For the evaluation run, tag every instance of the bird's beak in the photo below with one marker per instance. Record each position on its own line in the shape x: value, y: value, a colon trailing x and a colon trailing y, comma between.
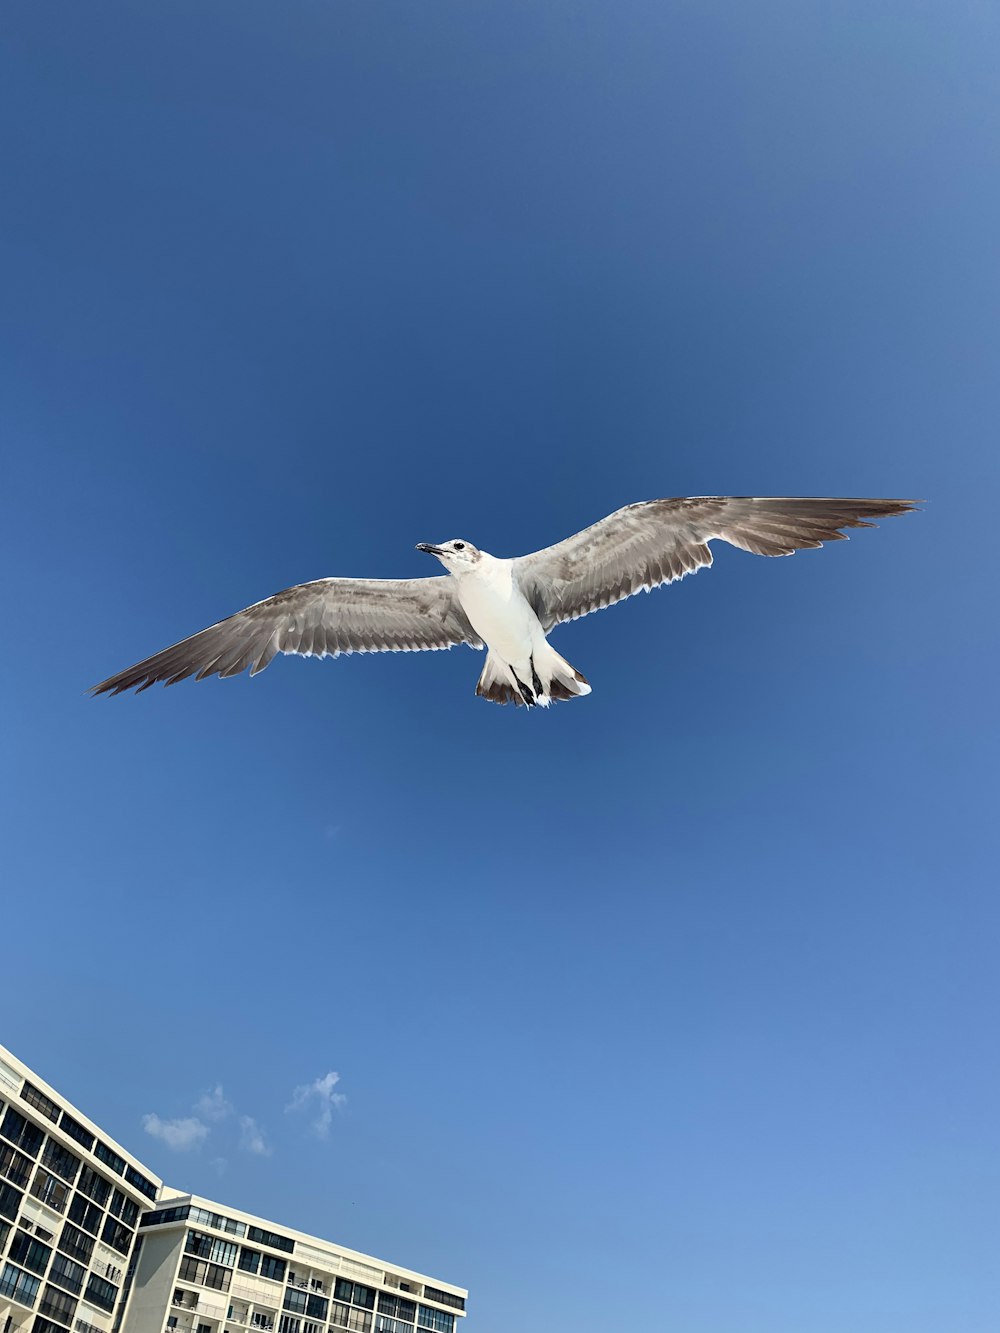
x: 431, y: 550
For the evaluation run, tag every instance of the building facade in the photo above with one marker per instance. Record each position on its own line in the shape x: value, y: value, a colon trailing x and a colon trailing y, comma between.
x: 92, y: 1241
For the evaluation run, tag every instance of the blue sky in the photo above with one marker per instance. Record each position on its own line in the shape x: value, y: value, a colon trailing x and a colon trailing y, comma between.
x: 674, y: 1005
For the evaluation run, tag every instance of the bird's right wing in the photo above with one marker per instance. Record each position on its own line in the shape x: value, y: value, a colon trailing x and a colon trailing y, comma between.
x: 324, y: 618
x: 645, y: 545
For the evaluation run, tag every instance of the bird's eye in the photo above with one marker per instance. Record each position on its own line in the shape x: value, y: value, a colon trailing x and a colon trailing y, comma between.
x: 460, y: 546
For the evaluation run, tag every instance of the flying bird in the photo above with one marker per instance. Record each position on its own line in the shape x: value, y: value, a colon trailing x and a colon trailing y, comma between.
x: 507, y: 607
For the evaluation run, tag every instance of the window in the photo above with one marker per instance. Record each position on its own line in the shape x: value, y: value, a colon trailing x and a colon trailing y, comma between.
x: 40, y: 1102
x: 123, y: 1207
x: 100, y: 1293
x: 117, y: 1236
x: 61, y: 1160
x: 344, y: 1317
x: 67, y: 1274
x: 272, y: 1267
x: 249, y: 1260
x: 398, y: 1306
x: 204, y: 1328
x: 219, y: 1223
x: 10, y: 1201
x: 21, y: 1132
x: 316, y: 1307
x: 58, y: 1306
x: 444, y: 1298
x: 47, y: 1189
x: 383, y: 1324
x: 192, y: 1270
x: 345, y: 1290
x: 104, y: 1154
x: 435, y: 1319
x: 30, y: 1252
x: 211, y: 1247
x: 93, y: 1184
x: 85, y: 1214
x: 164, y: 1215
x: 74, y: 1243
x: 14, y: 1165
x: 295, y: 1301
x: 205, y: 1274
x: 74, y: 1130
x: 18, y: 1285
x: 270, y: 1238
x: 139, y: 1182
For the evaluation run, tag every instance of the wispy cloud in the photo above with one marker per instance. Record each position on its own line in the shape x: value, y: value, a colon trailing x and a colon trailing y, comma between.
x: 213, y: 1104
x: 319, y: 1096
x: 252, y: 1137
x: 179, y: 1135
x: 212, y: 1108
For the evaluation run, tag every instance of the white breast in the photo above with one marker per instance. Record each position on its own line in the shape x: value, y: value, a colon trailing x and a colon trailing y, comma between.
x: 497, y: 608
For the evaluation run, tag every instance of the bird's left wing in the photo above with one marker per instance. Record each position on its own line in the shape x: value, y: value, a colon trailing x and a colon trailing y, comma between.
x: 324, y: 618
x: 645, y: 545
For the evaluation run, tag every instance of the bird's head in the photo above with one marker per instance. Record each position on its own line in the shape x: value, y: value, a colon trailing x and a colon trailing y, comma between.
x: 458, y: 557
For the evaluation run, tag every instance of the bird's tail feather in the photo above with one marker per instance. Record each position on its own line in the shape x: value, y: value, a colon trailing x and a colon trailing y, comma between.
x: 551, y: 677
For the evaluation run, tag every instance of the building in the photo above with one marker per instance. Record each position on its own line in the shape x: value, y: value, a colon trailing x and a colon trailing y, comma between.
x: 92, y: 1241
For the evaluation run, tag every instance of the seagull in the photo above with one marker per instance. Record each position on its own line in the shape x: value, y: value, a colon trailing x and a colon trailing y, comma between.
x: 507, y: 607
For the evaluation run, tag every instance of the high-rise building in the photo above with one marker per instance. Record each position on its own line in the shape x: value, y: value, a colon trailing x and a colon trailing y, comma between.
x: 92, y: 1241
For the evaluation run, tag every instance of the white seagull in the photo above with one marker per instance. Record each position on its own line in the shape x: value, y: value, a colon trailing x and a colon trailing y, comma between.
x: 506, y: 606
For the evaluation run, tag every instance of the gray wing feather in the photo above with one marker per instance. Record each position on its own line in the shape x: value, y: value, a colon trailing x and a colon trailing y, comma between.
x: 645, y: 545
x: 322, y: 619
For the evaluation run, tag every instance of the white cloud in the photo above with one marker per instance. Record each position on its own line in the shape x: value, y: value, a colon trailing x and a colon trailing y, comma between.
x: 213, y: 1105
x: 319, y: 1095
x: 252, y: 1137
x: 180, y: 1135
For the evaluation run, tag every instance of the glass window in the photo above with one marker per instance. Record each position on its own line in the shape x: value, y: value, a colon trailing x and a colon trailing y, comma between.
x: 74, y: 1130
x: 58, y: 1305
x: 435, y: 1319
x: 10, y: 1201
x: 104, y: 1154
x: 100, y: 1293
x: 355, y: 1292
x: 192, y: 1270
x: 164, y: 1215
x: 93, y: 1184
x: 18, y: 1285
x: 275, y: 1241
x: 249, y: 1260
x: 21, y: 1132
x: 444, y: 1298
x: 272, y: 1267
x: 61, y: 1160
x: 31, y: 1253
x: 117, y: 1236
x: 50, y: 1190
x: 344, y: 1316
x: 316, y: 1307
x: 67, y: 1273
x: 139, y: 1182
x: 36, y: 1098
x: 14, y: 1165
x: 85, y: 1214
x: 398, y: 1306
x: 295, y: 1301
x: 124, y: 1208
x: 75, y: 1243
x: 383, y: 1324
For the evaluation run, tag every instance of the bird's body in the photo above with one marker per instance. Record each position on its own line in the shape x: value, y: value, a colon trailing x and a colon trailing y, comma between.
x: 520, y: 660
x: 507, y: 606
